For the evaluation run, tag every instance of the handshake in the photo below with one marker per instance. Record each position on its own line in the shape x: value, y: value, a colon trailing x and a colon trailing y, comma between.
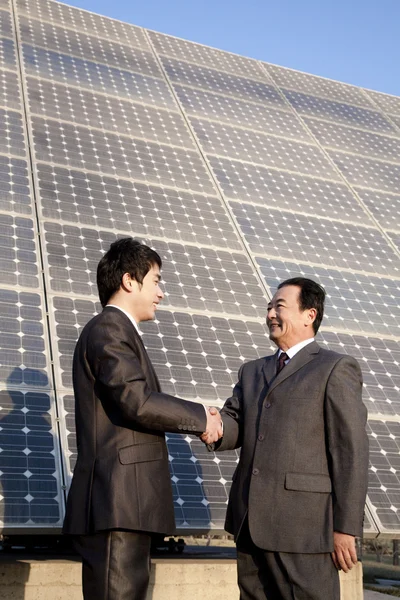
x: 214, y: 429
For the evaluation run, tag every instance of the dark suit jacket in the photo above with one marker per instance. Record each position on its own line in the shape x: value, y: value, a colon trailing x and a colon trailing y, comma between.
x: 121, y: 478
x: 304, y: 451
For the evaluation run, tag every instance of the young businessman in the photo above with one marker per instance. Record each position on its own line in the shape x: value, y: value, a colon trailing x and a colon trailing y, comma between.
x: 121, y: 491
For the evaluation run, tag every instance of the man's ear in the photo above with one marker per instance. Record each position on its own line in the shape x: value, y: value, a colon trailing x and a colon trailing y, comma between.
x: 311, y: 316
x: 127, y: 282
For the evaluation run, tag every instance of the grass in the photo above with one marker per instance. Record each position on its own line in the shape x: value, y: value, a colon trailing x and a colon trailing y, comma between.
x: 373, y: 570
x: 388, y: 591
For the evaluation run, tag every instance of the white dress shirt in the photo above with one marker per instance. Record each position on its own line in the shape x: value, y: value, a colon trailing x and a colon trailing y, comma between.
x: 295, y: 349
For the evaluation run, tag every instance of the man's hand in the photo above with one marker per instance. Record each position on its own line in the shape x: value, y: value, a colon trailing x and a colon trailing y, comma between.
x: 214, y: 426
x: 344, y: 556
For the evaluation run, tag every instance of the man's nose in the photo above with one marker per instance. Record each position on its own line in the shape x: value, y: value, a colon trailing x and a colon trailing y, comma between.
x: 271, y: 313
x: 160, y: 293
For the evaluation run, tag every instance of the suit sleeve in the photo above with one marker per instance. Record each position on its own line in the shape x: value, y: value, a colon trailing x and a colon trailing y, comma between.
x: 113, y: 360
x: 232, y: 417
x: 347, y: 441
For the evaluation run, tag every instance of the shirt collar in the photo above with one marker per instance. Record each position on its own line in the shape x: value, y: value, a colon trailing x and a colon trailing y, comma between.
x: 296, y: 348
x: 132, y: 320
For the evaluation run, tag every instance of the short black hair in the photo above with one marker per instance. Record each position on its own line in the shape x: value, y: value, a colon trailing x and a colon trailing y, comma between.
x: 312, y: 295
x: 126, y: 255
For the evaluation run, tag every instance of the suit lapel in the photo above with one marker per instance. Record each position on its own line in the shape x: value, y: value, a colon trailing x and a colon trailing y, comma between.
x: 269, y: 367
x: 304, y: 356
x: 138, y: 337
x: 149, y: 363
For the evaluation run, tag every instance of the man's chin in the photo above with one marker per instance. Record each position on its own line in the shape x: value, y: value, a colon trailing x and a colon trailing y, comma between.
x: 273, y: 335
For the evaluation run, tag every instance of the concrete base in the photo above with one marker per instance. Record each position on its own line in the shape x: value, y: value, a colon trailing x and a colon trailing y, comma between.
x: 171, y: 579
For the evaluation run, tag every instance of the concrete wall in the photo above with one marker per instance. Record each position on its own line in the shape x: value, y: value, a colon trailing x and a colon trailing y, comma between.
x: 172, y: 579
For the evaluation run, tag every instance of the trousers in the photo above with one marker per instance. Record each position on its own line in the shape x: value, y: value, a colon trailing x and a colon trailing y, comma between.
x: 264, y: 575
x: 115, y: 564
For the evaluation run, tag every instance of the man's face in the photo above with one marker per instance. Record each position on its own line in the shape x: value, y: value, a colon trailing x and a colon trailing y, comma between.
x: 287, y: 323
x: 146, y: 297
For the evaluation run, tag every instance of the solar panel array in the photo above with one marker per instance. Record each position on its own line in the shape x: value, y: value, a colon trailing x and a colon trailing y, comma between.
x: 240, y: 174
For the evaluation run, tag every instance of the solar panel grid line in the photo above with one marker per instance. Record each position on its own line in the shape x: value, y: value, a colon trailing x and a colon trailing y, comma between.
x: 128, y: 206
x: 334, y: 136
x: 221, y: 94
x: 190, y: 282
x: 196, y: 356
x: 123, y: 135
x: 348, y: 182
x: 390, y: 134
x: 240, y: 65
x: 30, y: 463
x: 107, y: 95
x: 59, y: 499
x: 334, y: 178
x: 385, y: 206
x: 332, y: 110
x: 262, y: 149
x: 216, y: 124
x: 380, y: 105
x: 378, y: 174
x: 47, y: 38
x: 353, y: 247
x: 362, y: 303
x: 51, y: 100
x: 388, y: 104
x: 96, y: 76
x: 10, y: 96
x: 24, y: 347
x: 8, y: 54
x: 356, y: 331
x: 6, y: 27
x: 209, y: 79
x: 353, y: 153
x: 284, y: 123
x: 252, y: 182
x: 15, y: 197
x: 304, y: 212
x: 134, y: 159
x: 326, y: 88
x: 184, y: 342
x: 129, y: 44
x: 203, y: 155
x: 19, y: 253
x: 102, y: 94
x: 67, y: 14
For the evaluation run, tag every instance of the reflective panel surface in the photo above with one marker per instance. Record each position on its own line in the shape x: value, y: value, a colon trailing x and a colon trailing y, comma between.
x: 240, y: 174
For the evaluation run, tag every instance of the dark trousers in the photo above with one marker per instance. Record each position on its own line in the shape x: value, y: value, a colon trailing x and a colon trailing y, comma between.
x: 115, y: 564
x: 284, y: 576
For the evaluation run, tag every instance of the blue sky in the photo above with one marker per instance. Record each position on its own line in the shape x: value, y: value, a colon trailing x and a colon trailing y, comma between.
x: 356, y: 41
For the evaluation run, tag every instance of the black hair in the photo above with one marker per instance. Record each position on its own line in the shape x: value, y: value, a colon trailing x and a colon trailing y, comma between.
x: 126, y: 255
x: 312, y: 295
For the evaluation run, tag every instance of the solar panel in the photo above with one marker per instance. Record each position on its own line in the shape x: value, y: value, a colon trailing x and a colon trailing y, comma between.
x: 241, y: 174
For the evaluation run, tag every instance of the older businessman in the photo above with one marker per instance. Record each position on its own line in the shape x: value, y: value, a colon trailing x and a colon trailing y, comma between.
x: 298, y: 494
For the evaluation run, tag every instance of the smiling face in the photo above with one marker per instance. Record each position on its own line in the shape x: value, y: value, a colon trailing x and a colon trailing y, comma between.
x: 288, y: 324
x: 143, y: 299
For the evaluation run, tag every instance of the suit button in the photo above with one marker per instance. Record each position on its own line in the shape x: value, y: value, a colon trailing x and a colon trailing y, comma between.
x: 184, y: 427
x: 180, y: 427
x: 255, y: 471
x: 267, y: 405
x: 260, y: 437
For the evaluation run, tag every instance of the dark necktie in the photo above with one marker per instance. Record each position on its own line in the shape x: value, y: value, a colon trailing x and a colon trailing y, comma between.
x: 281, y: 362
